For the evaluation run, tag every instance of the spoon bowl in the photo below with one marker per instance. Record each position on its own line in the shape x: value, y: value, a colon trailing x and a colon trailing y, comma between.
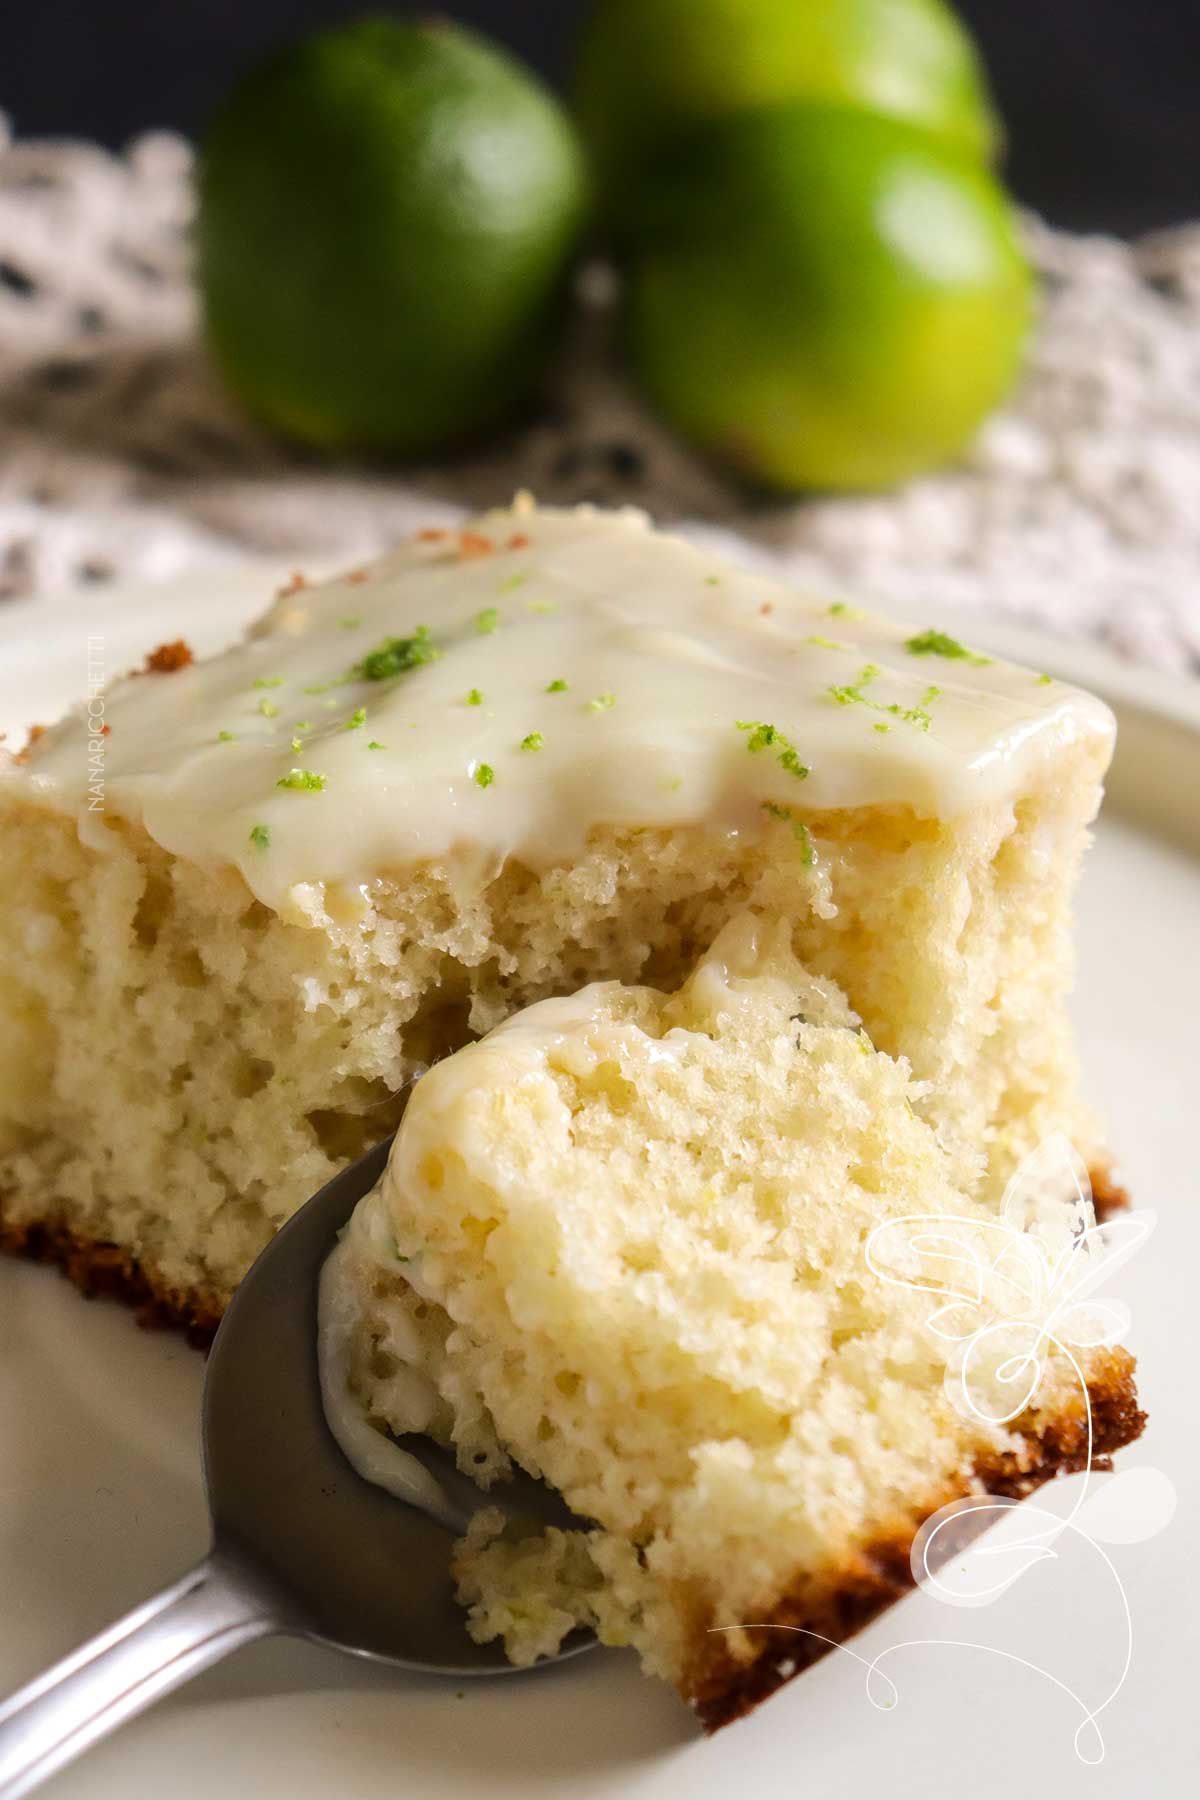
x: 363, y: 1571
x: 302, y: 1544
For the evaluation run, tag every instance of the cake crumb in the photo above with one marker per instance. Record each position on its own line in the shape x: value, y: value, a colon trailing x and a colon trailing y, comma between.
x: 35, y: 732
x: 168, y: 658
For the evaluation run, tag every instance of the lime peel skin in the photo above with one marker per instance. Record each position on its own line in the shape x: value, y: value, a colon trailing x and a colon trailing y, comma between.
x: 821, y: 346
x: 419, y: 185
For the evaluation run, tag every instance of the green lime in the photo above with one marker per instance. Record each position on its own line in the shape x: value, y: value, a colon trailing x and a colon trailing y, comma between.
x: 387, y: 214
x: 653, y: 70
x: 828, y: 300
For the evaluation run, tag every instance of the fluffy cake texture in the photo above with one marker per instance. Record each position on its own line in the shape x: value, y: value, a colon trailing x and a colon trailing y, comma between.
x: 623, y: 1242
x: 214, y: 982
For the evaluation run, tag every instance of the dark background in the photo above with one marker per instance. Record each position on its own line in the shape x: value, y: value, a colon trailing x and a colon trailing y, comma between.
x: 1101, y: 97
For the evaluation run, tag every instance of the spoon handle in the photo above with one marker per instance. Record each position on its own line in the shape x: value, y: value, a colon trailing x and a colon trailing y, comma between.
x: 156, y: 1647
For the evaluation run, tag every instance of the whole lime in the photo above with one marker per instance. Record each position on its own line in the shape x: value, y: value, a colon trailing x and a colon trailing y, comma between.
x: 387, y: 214
x: 651, y: 71
x: 827, y: 299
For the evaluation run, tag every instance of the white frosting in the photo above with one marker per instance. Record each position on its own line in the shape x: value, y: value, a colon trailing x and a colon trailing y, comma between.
x: 664, y: 649
x: 343, y: 1295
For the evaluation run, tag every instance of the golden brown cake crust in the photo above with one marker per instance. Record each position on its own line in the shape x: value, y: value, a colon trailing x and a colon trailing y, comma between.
x: 99, y: 1268
x: 1108, y: 1197
x: 723, y: 1689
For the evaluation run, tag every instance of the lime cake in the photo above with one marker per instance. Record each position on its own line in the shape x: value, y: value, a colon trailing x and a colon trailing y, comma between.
x: 552, y: 748
x: 630, y: 1242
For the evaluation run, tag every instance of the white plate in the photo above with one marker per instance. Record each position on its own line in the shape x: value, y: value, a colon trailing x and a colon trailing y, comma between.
x: 100, y: 1496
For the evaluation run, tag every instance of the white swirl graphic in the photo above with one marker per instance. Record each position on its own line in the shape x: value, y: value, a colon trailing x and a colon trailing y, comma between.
x: 1011, y: 1293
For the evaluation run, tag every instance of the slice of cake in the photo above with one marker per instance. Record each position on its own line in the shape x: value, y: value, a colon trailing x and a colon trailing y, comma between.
x: 626, y: 1242
x: 552, y: 748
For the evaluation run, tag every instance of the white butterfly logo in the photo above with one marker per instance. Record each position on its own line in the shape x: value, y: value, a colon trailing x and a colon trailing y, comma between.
x: 1011, y: 1293
x: 1015, y: 1288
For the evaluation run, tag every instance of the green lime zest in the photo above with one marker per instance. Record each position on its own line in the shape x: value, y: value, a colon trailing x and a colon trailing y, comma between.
x: 533, y: 741
x: 851, y: 694
x: 557, y: 686
x: 302, y: 781
x: 484, y: 775
x: 919, y: 715
x: 938, y: 643
x: 487, y: 621
x: 394, y: 656
x: 761, y: 736
x: 260, y: 837
x: 800, y: 830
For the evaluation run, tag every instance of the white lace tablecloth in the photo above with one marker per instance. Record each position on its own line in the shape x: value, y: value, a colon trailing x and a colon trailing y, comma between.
x: 121, y: 455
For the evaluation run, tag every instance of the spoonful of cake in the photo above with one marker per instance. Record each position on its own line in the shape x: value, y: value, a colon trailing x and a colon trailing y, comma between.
x: 302, y: 1543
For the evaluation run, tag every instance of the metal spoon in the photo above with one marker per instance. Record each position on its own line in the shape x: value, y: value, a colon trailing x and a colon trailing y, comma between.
x: 302, y: 1545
